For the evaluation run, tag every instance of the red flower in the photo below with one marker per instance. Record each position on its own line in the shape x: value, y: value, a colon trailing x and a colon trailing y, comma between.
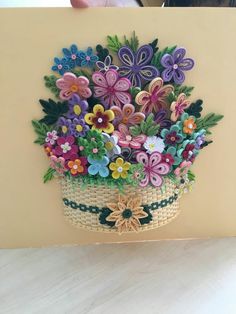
x: 65, y: 147
x: 168, y: 158
x: 188, y: 153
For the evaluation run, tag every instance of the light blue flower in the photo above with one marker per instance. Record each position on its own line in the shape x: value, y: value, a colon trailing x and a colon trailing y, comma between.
x: 61, y: 65
x: 98, y: 166
x: 72, y: 55
x: 88, y: 59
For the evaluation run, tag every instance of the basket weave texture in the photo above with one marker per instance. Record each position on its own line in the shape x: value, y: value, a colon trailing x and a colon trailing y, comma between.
x: 99, y: 196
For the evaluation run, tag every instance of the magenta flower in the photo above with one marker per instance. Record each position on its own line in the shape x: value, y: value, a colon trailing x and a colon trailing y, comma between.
x: 58, y: 164
x: 125, y: 139
x: 70, y: 84
x: 65, y: 147
x: 154, y: 168
x: 111, y: 89
x: 127, y: 115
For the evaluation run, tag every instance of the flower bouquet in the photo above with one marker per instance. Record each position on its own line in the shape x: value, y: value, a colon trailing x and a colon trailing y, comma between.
x: 122, y: 134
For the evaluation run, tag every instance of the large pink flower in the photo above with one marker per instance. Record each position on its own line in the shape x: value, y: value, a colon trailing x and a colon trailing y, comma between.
x: 155, y: 98
x: 70, y: 84
x: 112, y: 89
x: 65, y: 147
x: 125, y: 139
x: 154, y: 168
x: 127, y: 115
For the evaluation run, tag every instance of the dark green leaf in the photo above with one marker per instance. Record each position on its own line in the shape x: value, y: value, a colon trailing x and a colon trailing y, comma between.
x: 53, y: 110
x: 195, y: 108
x: 102, y: 52
x: 154, y: 46
x: 50, y: 82
x: 49, y: 175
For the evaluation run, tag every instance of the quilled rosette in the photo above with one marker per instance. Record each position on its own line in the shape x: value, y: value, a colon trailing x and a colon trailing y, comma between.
x: 121, y: 133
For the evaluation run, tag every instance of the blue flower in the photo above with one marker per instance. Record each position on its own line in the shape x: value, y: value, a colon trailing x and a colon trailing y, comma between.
x: 88, y: 59
x: 98, y: 166
x: 72, y: 55
x: 61, y: 65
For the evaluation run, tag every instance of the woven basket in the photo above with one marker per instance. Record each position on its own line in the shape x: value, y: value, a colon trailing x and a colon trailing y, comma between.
x: 82, y: 206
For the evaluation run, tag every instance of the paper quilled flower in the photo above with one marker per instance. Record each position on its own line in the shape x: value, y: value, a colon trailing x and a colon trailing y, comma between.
x: 119, y: 168
x: 127, y: 115
x: 125, y: 139
x: 98, y: 166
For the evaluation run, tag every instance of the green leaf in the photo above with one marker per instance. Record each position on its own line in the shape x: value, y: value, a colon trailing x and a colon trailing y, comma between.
x: 148, y: 127
x: 187, y: 90
x: 191, y: 176
x: 49, y: 175
x: 114, y: 43
x: 195, y: 108
x: 102, y: 52
x: 134, y: 91
x: 53, y: 110
x: 154, y: 45
x: 50, y: 82
x: 209, y: 121
x: 156, y: 60
x: 41, y: 130
x: 133, y: 43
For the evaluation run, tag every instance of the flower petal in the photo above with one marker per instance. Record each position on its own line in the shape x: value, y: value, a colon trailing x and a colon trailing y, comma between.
x: 93, y: 169
x: 99, y: 79
x: 98, y: 108
x: 148, y: 72
x: 117, y: 112
x: 144, y: 182
x: 155, y: 158
x: 100, y: 91
x: 111, y: 77
x: 179, y: 76
x: 109, y: 129
x: 178, y: 55
x: 123, y: 84
x: 104, y: 172
x: 155, y: 179
x: 167, y: 74
x: 126, y: 56
x: 85, y: 92
x: 143, y: 98
x: 162, y: 168
x: 167, y: 61
x: 124, y: 70
x: 123, y: 97
x: 186, y: 64
x: 142, y: 157
x: 143, y: 55
x: 137, y: 118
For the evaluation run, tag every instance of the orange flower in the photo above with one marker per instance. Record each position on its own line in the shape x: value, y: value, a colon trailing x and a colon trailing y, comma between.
x: 189, y: 125
x: 77, y: 166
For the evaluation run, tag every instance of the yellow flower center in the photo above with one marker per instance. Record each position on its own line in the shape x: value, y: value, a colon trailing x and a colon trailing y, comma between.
x: 77, y: 110
x: 64, y: 129
x: 109, y: 145
x: 152, y: 146
x: 79, y: 128
x: 74, y: 88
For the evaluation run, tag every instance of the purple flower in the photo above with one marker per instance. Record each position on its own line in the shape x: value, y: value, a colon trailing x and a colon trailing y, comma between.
x: 175, y: 64
x: 136, y: 65
x: 106, y: 65
x: 79, y: 128
x: 161, y: 118
x: 65, y: 126
x: 200, y: 140
x: 77, y: 107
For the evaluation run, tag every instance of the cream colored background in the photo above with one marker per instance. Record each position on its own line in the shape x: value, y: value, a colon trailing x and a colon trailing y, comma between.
x: 31, y: 212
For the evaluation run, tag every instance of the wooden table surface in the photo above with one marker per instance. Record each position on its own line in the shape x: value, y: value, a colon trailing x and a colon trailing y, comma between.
x: 166, y: 277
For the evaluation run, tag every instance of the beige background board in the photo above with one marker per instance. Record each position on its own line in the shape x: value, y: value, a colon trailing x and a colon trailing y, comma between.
x: 31, y: 212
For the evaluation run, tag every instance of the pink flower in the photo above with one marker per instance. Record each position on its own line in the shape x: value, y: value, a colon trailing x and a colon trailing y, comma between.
x: 58, y: 163
x: 183, y: 168
x: 127, y: 115
x: 154, y: 168
x: 177, y: 107
x: 70, y: 84
x: 125, y: 139
x: 111, y: 89
x: 155, y: 98
x: 65, y: 147
x: 51, y: 137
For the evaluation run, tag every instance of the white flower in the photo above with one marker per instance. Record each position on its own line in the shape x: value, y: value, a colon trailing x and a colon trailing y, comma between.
x: 51, y: 137
x: 110, y: 143
x: 154, y: 144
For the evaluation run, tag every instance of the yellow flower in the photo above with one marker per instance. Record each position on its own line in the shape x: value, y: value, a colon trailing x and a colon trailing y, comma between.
x: 100, y: 119
x: 119, y: 168
x: 126, y: 213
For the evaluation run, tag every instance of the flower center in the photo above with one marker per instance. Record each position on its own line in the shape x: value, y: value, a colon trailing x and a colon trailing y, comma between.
x: 110, y: 90
x: 81, y: 148
x: 154, y: 98
x: 75, y: 167
x: 100, y: 120
x: 95, y: 150
x: 64, y: 129
x: 109, y: 145
x: 87, y: 58
x: 172, y: 138
x: 77, y: 110
x: 79, y: 128
x: 74, y: 88
x: 125, y: 120
x: 167, y: 159
x: 65, y: 147
x: 152, y: 146
x: 59, y: 66
x: 119, y: 169
x: 127, y: 213
x: 175, y: 66
x: 73, y: 56
x: 190, y: 125
x: 128, y: 138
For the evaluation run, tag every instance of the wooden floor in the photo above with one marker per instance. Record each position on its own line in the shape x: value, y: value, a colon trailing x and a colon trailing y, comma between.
x: 167, y: 277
